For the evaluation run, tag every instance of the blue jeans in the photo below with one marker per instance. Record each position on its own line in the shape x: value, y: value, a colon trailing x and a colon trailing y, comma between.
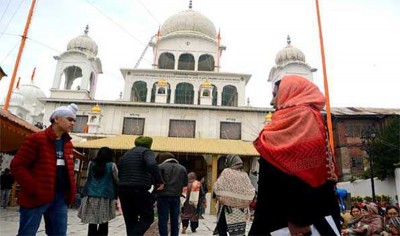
x: 168, y: 206
x: 55, y: 217
x: 5, y: 195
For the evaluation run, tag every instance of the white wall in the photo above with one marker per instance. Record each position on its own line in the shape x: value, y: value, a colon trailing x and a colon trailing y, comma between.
x: 363, y: 188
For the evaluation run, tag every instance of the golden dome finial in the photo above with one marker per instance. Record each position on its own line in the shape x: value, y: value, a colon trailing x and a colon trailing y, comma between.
x: 162, y: 82
x: 268, y: 117
x: 206, y: 84
x: 96, y: 109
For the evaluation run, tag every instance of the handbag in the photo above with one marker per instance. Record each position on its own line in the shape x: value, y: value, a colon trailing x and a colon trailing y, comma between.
x: 233, y: 188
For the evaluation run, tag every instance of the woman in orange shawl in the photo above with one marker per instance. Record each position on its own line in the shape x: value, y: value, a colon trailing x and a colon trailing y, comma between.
x: 297, y: 173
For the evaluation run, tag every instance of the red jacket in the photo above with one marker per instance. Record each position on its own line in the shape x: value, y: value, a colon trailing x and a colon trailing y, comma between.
x: 34, y: 168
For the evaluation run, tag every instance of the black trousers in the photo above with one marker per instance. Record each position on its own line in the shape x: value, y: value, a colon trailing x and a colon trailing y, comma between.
x: 193, y: 224
x: 98, y: 230
x: 137, y: 208
x: 284, y: 198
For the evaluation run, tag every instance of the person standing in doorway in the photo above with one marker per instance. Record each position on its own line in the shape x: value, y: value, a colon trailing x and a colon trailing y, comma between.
x: 138, y: 171
x: 296, y: 164
x: 189, y: 210
x: 202, y: 204
x: 44, y: 168
x: 99, y: 204
x: 6, y: 185
x: 175, y: 178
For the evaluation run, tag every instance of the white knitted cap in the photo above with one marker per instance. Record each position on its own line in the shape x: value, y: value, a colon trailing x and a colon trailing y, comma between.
x: 65, y: 111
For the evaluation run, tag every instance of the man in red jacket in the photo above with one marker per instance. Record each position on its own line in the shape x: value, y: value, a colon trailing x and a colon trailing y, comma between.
x: 44, y: 168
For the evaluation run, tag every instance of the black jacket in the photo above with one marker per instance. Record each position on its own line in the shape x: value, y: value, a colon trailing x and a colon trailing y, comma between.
x: 6, y: 181
x: 174, y: 176
x: 138, y: 168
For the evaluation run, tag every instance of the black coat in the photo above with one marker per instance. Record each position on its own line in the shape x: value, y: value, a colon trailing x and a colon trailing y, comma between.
x: 6, y: 181
x: 284, y: 198
x: 138, y: 168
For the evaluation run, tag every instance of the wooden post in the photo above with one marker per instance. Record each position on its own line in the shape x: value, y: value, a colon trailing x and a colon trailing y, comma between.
x: 326, y: 87
x: 214, y: 172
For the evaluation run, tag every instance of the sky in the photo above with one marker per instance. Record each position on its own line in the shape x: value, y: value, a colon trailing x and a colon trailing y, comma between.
x: 361, y: 40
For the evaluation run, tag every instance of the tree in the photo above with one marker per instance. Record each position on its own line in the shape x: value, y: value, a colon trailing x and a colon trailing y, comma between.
x: 386, y: 149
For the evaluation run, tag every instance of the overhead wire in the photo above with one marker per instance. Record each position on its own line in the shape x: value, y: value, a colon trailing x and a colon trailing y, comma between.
x: 116, y: 23
x: 8, y: 54
x: 9, y: 21
x: 5, y: 10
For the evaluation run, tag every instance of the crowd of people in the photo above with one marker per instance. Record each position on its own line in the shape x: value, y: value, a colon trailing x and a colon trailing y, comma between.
x: 368, y: 219
x: 296, y: 163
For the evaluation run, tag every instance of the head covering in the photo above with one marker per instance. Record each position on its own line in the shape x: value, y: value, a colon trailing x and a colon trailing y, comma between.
x: 295, y: 141
x: 234, y: 162
x: 143, y: 141
x: 371, y: 208
x: 296, y: 90
x: 166, y: 157
x: 395, y: 221
x: 192, y: 176
x: 65, y: 111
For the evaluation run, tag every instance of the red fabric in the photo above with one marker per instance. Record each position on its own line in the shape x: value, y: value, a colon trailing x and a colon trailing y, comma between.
x: 295, y: 140
x: 34, y: 168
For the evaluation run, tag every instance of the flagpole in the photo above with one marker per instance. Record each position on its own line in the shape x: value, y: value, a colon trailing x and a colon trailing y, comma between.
x: 33, y: 75
x: 326, y: 89
x: 17, y: 61
x: 218, y: 50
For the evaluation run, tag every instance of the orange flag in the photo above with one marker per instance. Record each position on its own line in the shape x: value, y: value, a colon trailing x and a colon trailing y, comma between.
x: 33, y: 74
x: 19, y: 79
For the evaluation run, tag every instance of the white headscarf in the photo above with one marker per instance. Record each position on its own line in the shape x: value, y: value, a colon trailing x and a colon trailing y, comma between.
x: 65, y: 111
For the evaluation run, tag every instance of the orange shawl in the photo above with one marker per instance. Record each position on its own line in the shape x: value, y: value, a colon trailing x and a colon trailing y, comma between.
x: 295, y: 140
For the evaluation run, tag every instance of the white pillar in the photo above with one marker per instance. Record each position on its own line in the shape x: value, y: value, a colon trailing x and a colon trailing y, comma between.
x: 397, y: 180
x: 148, y: 96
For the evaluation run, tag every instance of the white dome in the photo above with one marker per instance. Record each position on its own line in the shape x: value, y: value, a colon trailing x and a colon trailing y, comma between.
x: 289, y: 53
x: 83, y: 43
x: 189, y: 21
x: 31, y: 93
x: 17, y: 99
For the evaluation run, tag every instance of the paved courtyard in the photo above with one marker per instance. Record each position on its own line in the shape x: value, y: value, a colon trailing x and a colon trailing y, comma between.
x: 9, y: 219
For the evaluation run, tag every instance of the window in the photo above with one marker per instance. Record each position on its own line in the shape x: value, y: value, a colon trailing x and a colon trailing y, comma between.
x: 133, y: 126
x: 349, y: 130
x: 206, y: 63
x: 229, y: 96
x: 230, y: 130
x: 166, y: 61
x: 80, y: 124
x: 357, y: 164
x: 182, y: 128
x: 184, y: 93
x: 206, y: 93
x: 161, y: 90
x: 186, y: 62
x: 139, y: 91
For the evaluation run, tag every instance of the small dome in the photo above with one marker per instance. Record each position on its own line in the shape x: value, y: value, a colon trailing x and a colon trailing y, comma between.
x: 162, y: 82
x: 206, y: 84
x: 31, y: 93
x: 289, y: 53
x: 189, y: 21
x: 268, y: 117
x: 17, y: 99
x: 96, y: 109
x: 83, y: 43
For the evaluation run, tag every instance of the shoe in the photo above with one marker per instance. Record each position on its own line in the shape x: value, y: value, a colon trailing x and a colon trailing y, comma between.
x: 184, y: 231
x: 201, y: 217
x: 193, y: 231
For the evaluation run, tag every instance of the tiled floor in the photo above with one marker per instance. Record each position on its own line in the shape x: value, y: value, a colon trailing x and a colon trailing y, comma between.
x: 9, y: 224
